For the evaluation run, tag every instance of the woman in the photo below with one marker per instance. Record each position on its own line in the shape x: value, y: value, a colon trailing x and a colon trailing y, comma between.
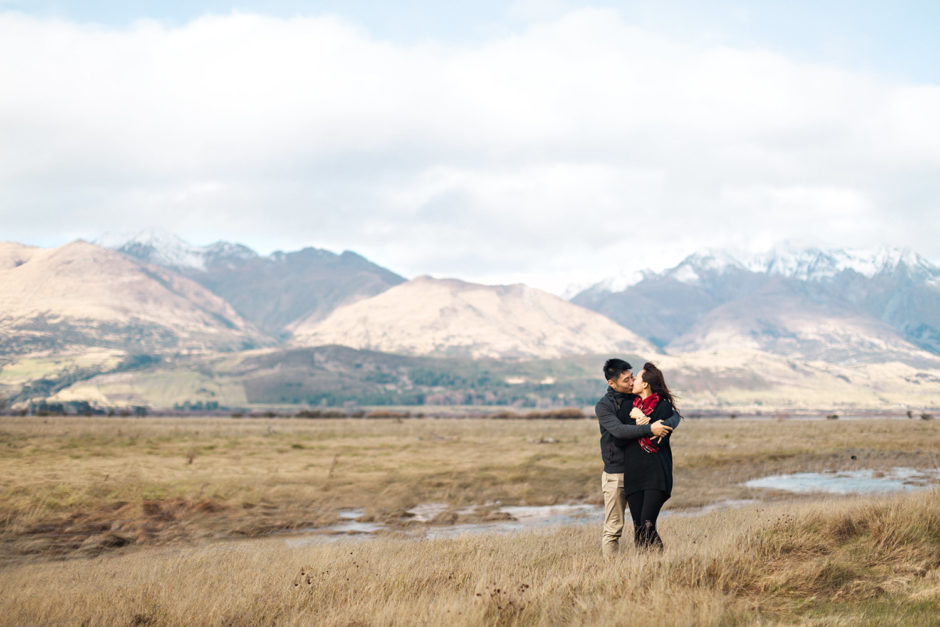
x: 647, y: 476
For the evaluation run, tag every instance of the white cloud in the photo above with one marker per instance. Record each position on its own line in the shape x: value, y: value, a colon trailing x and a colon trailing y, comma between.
x: 548, y: 156
x: 533, y: 10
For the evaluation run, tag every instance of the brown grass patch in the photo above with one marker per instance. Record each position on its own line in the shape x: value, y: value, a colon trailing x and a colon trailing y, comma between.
x: 860, y: 561
x: 66, y: 484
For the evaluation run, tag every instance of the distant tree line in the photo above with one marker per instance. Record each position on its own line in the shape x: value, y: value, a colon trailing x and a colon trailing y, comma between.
x: 75, y: 408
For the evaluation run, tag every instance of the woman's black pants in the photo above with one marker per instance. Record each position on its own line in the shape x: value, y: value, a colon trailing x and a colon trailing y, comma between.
x: 644, y: 509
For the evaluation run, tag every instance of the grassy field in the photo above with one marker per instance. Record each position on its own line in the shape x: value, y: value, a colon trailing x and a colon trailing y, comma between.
x: 859, y: 562
x: 166, y: 521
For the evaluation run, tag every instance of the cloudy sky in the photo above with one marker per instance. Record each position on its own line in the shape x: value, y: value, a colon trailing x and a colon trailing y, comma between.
x: 542, y: 141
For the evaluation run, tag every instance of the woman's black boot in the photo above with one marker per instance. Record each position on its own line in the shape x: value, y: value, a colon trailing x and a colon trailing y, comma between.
x: 638, y: 536
x: 647, y: 537
x: 655, y: 541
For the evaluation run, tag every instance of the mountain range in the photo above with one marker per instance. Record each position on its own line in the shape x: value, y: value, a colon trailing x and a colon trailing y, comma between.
x: 153, y: 320
x: 271, y: 292
x: 428, y: 316
x: 83, y: 295
x: 783, y: 302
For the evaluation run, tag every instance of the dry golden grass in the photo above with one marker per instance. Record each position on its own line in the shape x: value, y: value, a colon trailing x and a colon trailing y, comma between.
x: 83, y: 486
x: 857, y: 562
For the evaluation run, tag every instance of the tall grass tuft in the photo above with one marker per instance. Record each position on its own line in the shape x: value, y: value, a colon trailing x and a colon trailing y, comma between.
x: 856, y: 561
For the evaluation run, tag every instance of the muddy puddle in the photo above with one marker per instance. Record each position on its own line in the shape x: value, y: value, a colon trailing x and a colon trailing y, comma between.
x: 866, y: 481
x: 440, y: 520
x: 510, y: 519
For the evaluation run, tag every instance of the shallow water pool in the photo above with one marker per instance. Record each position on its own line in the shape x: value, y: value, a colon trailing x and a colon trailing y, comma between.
x: 866, y: 481
x: 521, y: 518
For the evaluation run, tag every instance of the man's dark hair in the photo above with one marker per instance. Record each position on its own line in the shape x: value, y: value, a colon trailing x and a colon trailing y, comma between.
x: 613, y: 368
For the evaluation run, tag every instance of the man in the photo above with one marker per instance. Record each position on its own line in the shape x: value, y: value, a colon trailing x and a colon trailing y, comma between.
x: 619, y: 377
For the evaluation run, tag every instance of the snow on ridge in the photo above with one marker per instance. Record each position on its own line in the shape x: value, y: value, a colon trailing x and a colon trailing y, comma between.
x: 691, y: 269
x: 612, y: 284
x: 803, y: 263
x: 621, y: 282
x: 573, y: 289
x: 807, y: 264
x: 168, y: 249
x: 227, y: 249
x: 685, y: 273
x: 815, y: 264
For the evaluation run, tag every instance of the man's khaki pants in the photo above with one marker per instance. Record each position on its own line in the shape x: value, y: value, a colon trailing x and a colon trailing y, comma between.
x: 614, y: 503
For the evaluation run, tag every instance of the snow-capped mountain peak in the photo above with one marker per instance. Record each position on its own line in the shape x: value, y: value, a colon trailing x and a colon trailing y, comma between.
x: 694, y: 268
x: 228, y: 250
x: 163, y: 248
x: 805, y: 264
x: 790, y: 261
x: 612, y: 284
x: 813, y: 264
x: 721, y: 291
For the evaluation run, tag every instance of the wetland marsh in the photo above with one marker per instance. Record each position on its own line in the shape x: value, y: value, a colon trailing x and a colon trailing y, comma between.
x: 202, y: 520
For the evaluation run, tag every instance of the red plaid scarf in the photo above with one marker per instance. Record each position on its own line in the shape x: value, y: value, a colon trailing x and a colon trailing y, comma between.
x: 647, y: 406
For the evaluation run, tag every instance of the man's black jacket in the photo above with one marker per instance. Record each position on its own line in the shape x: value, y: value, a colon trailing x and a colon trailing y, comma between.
x: 613, y: 430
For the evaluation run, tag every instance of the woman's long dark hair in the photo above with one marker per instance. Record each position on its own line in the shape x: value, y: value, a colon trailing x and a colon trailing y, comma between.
x: 654, y: 377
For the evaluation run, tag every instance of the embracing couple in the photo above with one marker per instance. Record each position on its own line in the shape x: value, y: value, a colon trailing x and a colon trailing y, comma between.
x: 636, y: 417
